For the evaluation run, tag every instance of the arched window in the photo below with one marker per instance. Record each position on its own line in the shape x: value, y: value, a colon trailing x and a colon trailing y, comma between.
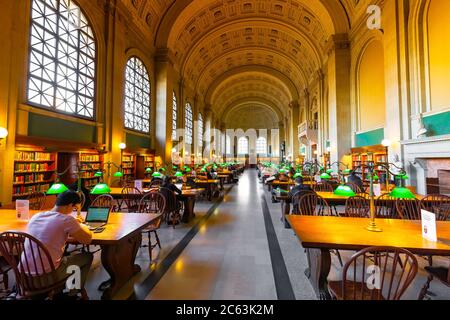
x: 261, y: 146
x: 242, y: 146
x: 137, y: 96
x: 227, y: 144
x: 62, y: 68
x: 200, y: 131
x: 174, y: 117
x: 188, y: 124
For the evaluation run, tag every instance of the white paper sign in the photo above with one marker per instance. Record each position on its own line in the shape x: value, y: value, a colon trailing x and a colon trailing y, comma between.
x: 138, y: 184
x: 23, y: 209
x: 377, y: 189
x: 429, y: 226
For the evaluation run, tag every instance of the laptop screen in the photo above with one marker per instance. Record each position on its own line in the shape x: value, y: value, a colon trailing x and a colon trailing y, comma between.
x: 97, y: 215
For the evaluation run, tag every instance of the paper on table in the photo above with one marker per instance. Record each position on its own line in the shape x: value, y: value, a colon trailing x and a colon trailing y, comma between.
x: 138, y: 184
x: 377, y: 189
x: 23, y: 209
x: 429, y: 226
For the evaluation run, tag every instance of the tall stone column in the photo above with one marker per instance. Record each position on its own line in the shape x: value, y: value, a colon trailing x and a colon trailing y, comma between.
x: 163, y: 116
x: 295, y: 122
x: 208, y: 132
x: 339, y: 111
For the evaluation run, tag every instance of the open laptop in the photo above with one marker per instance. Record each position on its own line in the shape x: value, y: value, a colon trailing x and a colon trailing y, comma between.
x: 97, y: 217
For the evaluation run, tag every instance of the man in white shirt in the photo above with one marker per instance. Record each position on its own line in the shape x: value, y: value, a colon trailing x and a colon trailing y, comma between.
x: 53, y: 228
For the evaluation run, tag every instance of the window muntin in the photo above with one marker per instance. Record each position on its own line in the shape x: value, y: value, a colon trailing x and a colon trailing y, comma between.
x: 261, y: 146
x: 137, y: 96
x: 174, y: 117
x: 243, y: 146
x: 62, y: 66
x: 188, y: 124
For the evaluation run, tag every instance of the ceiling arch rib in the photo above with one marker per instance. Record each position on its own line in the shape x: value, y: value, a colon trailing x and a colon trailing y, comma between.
x: 239, y: 33
x: 251, y: 100
x: 263, y: 117
x: 331, y: 14
x: 251, y: 84
x: 270, y: 58
x: 252, y: 69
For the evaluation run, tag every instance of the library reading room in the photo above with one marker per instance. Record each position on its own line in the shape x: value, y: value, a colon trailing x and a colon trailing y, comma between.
x: 239, y: 150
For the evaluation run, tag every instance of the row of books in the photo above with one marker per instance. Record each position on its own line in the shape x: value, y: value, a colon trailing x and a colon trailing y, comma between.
x: 23, y: 190
x: 94, y: 166
x: 87, y: 174
x: 127, y: 159
x: 32, y: 167
x: 28, y: 178
x: 128, y: 171
x: 32, y: 156
x: 127, y: 165
x: 89, y: 157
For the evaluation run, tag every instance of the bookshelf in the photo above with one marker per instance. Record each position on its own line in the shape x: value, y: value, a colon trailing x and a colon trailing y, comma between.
x: 90, y: 163
x: 34, y: 171
x: 129, y: 166
x: 363, y: 156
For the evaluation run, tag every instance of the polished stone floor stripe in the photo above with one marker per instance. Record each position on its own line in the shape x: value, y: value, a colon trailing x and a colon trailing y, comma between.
x: 280, y: 273
x: 144, y: 288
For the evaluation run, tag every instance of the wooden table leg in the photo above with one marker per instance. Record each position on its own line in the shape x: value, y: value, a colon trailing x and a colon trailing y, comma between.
x: 285, y: 210
x: 319, y: 261
x: 119, y: 261
x: 189, y: 204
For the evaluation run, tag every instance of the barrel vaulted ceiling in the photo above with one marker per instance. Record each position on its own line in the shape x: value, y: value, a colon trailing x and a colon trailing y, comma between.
x: 246, y: 53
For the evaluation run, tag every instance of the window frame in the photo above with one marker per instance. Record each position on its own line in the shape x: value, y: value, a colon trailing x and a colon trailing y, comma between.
x: 187, y: 107
x: 239, y: 146
x: 53, y: 109
x: 265, y: 144
x: 174, y: 119
x: 150, y: 98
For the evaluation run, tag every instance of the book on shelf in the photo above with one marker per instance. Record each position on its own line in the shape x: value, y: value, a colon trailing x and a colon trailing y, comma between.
x: 89, y: 157
x: 32, y: 156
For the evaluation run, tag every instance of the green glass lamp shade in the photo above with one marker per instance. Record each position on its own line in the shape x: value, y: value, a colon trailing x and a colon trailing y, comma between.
x: 118, y: 174
x: 163, y: 169
x: 298, y: 175
x: 330, y: 171
x: 148, y: 170
x: 402, y: 193
x: 345, y: 191
x: 203, y: 170
x: 325, y: 176
x: 347, y: 171
x: 101, y: 188
x: 282, y: 171
x: 156, y: 175
x: 188, y: 169
x: 178, y: 174
x: 98, y: 174
x: 57, y: 188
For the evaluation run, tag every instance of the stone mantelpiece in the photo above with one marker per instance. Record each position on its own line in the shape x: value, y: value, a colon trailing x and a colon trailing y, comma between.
x: 418, y: 152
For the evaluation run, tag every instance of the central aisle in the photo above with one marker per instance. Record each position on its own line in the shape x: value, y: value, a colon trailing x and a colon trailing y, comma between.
x: 229, y: 258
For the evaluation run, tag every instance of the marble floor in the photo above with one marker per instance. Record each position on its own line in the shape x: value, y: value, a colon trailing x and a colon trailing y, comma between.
x: 232, y: 250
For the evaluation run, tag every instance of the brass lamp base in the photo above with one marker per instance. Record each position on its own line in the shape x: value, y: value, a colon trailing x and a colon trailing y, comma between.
x: 373, y: 227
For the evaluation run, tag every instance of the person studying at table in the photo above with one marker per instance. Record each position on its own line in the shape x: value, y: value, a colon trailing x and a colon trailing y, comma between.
x: 53, y: 228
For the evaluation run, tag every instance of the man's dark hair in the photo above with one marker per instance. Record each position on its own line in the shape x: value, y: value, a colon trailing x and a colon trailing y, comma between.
x: 68, y: 198
x: 299, y: 180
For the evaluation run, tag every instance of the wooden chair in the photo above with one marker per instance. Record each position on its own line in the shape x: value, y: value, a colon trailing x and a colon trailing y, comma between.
x: 440, y: 273
x: 37, y: 200
x: 359, y: 275
x: 323, y: 187
x: 13, y: 246
x: 173, y: 207
x: 311, y: 204
x: 408, y: 209
x: 438, y: 204
x: 130, y: 197
x: 83, y: 198
x: 4, y: 269
x: 155, y: 203
x: 385, y: 207
x: 103, y: 201
x: 357, y: 207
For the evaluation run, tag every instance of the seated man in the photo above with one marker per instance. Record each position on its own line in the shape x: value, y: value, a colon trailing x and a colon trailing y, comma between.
x: 53, y: 228
x: 188, y: 181
x: 353, y: 178
x: 168, y: 184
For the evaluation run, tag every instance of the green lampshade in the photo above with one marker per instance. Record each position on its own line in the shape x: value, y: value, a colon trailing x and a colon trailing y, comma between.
x: 282, y: 171
x: 118, y: 174
x: 101, y: 188
x: 57, y: 188
x: 178, y: 174
x: 188, y: 170
x: 163, y: 169
x: 203, y: 170
x: 345, y: 191
x: 156, y: 175
x: 148, y: 170
x: 98, y: 174
x: 402, y: 193
x: 330, y: 171
x: 325, y: 176
x: 298, y: 175
x: 347, y: 171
